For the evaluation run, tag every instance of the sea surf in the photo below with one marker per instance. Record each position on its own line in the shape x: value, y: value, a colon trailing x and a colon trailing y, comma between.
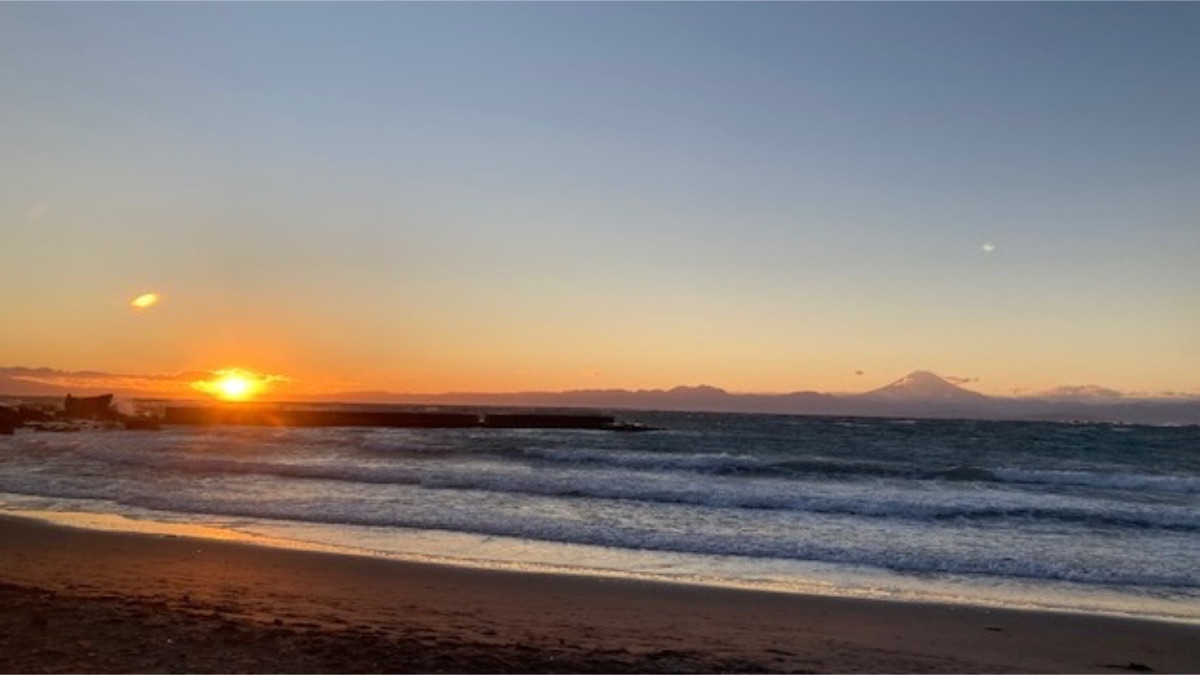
x: 1093, y: 518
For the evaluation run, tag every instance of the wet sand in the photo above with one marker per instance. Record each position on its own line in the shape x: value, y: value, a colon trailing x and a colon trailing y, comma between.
x: 85, y: 601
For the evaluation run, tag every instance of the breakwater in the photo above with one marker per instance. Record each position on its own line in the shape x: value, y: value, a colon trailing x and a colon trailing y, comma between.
x: 259, y: 416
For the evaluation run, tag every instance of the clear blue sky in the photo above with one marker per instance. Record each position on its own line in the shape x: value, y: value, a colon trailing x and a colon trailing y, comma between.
x: 765, y: 197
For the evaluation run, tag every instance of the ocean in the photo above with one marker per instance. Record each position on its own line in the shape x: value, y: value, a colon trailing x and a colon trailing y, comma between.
x: 1091, y: 518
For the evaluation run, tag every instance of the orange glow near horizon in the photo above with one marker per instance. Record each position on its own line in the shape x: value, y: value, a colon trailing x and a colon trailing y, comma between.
x: 235, y: 384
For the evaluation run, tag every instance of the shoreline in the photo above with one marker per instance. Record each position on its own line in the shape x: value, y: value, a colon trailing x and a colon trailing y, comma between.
x: 84, y: 600
x: 808, y: 580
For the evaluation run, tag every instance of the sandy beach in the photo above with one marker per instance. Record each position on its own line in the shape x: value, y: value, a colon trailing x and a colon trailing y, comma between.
x: 86, y: 601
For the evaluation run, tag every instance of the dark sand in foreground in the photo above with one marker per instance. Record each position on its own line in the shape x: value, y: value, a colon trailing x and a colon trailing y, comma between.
x: 84, y: 601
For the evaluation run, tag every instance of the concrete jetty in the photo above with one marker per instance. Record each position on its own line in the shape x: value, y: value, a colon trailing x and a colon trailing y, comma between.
x: 281, y: 417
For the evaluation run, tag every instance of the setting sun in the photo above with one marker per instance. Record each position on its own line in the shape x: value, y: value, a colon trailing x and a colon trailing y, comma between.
x: 235, y: 384
x: 234, y: 387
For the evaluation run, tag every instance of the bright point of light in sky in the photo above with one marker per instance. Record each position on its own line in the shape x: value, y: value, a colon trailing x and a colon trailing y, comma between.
x: 144, y: 301
x: 431, y: 197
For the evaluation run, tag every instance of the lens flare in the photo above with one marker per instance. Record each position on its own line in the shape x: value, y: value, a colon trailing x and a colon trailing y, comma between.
x: 144, y: 301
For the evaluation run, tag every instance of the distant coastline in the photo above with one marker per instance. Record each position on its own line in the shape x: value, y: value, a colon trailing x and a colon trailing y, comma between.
x: 707, y: 399
x: 920, y: 394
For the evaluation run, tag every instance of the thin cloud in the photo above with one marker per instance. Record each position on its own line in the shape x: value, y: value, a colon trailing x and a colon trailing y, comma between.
x: 156, y: 383
x: 1081, y: 392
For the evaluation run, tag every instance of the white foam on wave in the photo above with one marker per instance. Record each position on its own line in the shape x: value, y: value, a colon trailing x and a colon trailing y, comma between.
x: 626, y: 498
x: 649, y: 460
x: 888, y: 545
x: 524, y: 555
x: 985, y: 502
x: 1121, y: 481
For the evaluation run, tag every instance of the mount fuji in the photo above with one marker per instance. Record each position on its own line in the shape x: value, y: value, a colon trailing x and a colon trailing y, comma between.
x: 922, y: 385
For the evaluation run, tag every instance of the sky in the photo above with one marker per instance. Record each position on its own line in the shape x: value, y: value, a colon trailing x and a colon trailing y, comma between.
x: 765, y: 197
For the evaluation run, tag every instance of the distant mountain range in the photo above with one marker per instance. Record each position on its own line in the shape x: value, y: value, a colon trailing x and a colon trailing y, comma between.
x: 920, y: 394
x: 922, y: 385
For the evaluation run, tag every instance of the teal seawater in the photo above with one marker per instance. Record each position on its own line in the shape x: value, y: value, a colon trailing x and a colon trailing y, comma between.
x: 1111, y: 508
